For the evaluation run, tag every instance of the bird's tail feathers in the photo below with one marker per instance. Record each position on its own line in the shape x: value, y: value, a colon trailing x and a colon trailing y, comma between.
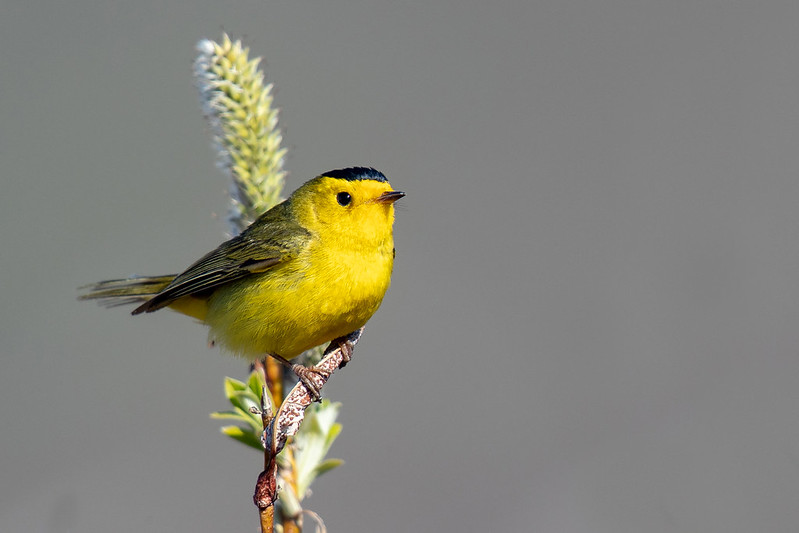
x: 115, y: 292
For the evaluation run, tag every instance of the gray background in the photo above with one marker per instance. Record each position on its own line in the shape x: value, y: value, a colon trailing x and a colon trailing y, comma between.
x: 593, y: 320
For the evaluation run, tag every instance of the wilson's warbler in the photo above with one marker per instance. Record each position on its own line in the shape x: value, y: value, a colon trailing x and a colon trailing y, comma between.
x: 312, y: 269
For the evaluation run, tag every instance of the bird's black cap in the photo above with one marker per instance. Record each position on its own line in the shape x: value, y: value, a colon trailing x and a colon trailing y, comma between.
x: 356, y: 174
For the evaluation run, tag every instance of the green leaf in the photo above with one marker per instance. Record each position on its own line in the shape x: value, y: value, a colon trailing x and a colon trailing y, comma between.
x: 245, y: 401
x: 327, y: 465
x: 230, y: 415
x: 256, y: 384
x: 232, y: 386
x: 243, y: 437
x: 312, y: 443
x: 332, y: 434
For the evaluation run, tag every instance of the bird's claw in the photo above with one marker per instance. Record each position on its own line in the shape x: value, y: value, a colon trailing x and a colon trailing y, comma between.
x: 306, y: 375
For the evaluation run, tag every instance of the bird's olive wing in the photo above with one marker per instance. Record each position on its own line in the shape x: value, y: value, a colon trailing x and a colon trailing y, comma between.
x: 256, y: 250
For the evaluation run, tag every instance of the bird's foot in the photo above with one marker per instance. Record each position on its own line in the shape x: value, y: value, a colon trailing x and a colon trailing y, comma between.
x: 307, y: 375
x: 346, y: 346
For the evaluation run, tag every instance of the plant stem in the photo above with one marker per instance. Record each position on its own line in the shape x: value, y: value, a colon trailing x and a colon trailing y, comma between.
x: 291, y: 525
x: 286, y: 422
x: 268, y: 519
x: 274, y: 379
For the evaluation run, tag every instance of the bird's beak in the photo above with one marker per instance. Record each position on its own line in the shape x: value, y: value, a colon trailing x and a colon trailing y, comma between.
x: 389, y: 197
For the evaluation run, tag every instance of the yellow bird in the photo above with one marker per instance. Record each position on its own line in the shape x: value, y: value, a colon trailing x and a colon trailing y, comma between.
x: 312, y: 269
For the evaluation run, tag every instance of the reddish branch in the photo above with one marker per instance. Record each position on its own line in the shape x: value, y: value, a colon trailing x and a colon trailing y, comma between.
x: 288, y: 418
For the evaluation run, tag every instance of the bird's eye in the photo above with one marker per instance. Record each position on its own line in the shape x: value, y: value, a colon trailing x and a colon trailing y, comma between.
x: 344, y: 198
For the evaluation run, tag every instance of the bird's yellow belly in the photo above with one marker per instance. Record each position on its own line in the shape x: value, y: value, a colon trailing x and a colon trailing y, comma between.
x: 288, y: 310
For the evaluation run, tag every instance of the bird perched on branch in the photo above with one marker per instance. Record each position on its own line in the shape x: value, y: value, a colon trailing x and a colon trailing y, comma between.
x: 312, y: 269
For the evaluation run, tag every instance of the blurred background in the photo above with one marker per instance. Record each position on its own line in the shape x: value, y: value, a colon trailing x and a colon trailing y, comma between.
x: 593, y: 321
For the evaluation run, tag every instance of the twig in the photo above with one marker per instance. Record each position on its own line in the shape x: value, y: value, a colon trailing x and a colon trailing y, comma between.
x: 267, y: 514
x: 273, y: 371
x: 289, y: 416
